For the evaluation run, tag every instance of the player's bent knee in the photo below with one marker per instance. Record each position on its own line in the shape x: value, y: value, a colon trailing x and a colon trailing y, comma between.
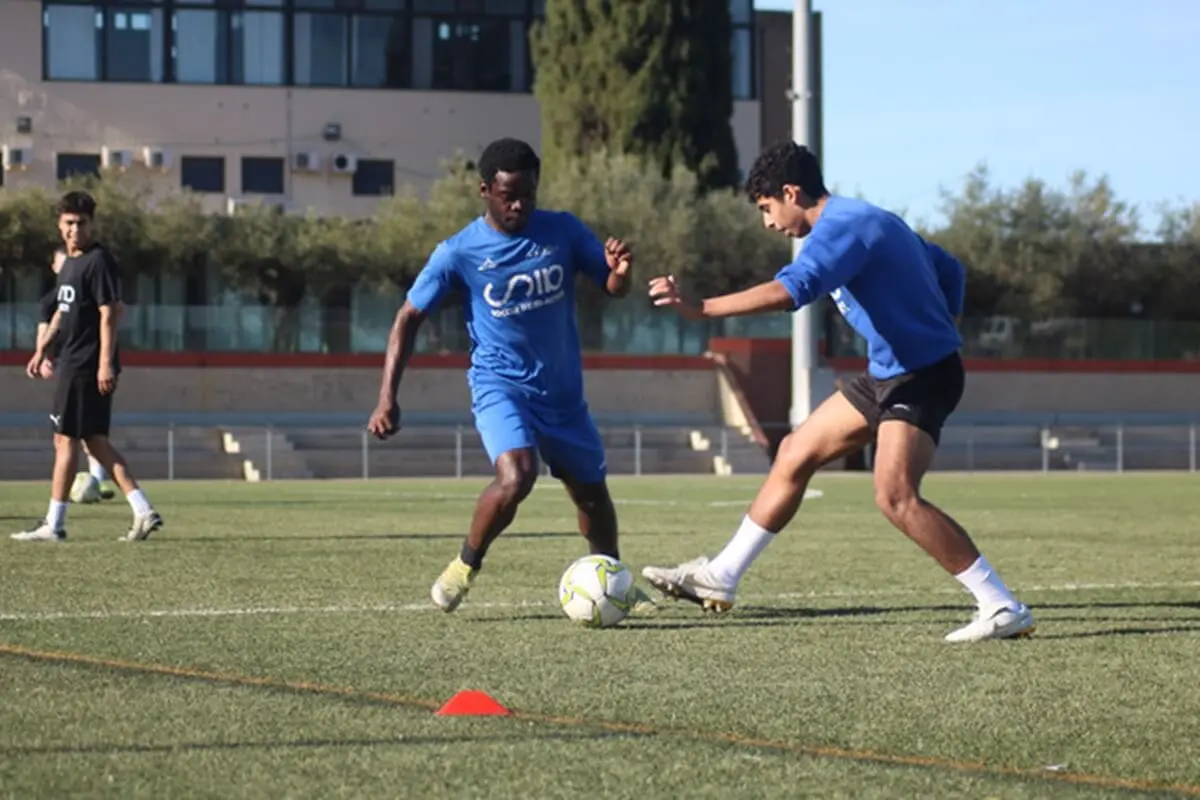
x: 798, y: 456
x: 515, y: 478
x: 895, y: 498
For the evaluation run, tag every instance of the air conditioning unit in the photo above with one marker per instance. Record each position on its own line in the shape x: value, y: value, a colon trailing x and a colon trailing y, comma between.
x: 306, y: 162
x: 156, y: 158
x: 17, y: 158
x: 235, y: 204
x: 116, y: 159
x: 344, y: 164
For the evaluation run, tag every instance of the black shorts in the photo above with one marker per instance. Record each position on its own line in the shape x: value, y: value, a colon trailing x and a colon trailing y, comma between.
x: 924, y: 398
x: 80, y: 411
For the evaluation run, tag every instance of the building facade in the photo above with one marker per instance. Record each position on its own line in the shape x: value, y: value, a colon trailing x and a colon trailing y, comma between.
x: 313, y: 104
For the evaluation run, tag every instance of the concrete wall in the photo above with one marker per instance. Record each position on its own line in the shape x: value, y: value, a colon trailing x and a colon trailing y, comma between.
x: 416, y: 129
x: 693, y: 394
x: 642, y: 394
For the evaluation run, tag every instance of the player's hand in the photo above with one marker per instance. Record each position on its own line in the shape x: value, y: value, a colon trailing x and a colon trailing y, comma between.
x: 34, y: 368
x: 665, y: 291
x: 47, y: 370
x: 106, y: 379
x: 619, y: 256
x: 385, y: 421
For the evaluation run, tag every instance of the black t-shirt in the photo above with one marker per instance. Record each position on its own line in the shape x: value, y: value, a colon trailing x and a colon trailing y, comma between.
x: 85, y: 283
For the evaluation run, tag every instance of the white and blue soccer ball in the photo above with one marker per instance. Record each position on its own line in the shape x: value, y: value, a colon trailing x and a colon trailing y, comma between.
x: 596, y: 591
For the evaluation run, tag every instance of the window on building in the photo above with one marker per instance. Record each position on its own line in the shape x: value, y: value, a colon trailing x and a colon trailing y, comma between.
x: 71, y: 164
x: 262, y: 175
x: 469, y: 45
x: 257, y: 45
x: 374, y: 178
x: 202, y: 173
x: 133, y: 44
x: 71, y: 41
x: 200, y: 45
x: 741, y: 12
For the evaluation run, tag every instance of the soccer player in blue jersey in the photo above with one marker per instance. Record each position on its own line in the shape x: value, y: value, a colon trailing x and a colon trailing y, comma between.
x: 515, y: 269
x: 903, y: 295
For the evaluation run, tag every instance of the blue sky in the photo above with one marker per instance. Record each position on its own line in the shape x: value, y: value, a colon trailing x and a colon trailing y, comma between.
x: 917, y: 92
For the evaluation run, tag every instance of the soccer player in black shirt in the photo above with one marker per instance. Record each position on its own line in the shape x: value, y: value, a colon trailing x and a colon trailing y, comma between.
x: 85, y: 326
x: 88, y: 486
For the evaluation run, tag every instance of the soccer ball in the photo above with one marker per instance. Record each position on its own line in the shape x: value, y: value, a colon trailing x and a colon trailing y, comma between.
x: 596, y: 591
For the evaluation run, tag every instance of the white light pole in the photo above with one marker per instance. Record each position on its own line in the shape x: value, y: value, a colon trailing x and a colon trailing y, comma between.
x: 810, y: 384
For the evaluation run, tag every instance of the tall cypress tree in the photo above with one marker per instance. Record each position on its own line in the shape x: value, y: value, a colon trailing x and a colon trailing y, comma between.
x: 646, y: 77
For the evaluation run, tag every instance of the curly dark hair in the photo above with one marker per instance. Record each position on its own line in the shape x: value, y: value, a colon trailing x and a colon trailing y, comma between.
x: 785, y: 164
x: 80, y: 203
x: 507, y: 155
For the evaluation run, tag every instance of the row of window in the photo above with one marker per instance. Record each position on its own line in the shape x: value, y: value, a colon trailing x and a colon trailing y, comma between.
x: 472, y: 45
x: 373, y: 177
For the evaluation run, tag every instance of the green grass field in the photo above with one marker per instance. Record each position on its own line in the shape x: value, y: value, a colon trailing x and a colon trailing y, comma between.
x: 276, y: 640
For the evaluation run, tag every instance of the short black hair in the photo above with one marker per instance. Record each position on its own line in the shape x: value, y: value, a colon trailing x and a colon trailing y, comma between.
x: 785, y: 164
x: 80, y: 203
x: 507, y: 155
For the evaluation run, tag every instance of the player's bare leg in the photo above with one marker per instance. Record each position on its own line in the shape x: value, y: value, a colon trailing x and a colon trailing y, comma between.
x: 51, y: 529
x: 904, y: 454
x: 145, y: 519
x: 597, y: 516
x: 516, y: 473
x: 89, y: 486
x: 835, y: 429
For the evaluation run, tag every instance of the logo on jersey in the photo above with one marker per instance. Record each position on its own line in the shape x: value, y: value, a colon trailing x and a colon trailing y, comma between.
x: 65, y: 297
x: 526, y: 291
x: 842, y: 305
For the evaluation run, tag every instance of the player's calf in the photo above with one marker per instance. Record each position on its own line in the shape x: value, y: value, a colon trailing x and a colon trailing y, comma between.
x: 145, y: 519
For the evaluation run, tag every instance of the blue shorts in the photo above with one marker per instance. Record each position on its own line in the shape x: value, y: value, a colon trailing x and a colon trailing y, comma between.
x: 566, y: 440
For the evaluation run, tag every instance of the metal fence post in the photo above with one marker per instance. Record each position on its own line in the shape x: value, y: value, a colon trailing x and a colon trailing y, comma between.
x: 458, y: 452
x: 1120, y: 447
x: 637, y: 449
x: 1045, y: 450
x: 1192, y: 448
x: 366, y: 455
x: 171, y: 451
x: 725, y: 444
x: 270, y: 452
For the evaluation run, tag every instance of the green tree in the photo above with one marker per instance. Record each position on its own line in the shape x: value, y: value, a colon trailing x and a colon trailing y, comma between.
x: 651, y: 79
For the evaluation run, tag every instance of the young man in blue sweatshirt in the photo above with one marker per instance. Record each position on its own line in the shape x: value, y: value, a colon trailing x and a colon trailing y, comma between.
x: 903, y: 295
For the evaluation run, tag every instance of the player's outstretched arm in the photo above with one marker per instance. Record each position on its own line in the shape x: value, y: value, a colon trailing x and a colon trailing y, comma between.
x: 402, y: 340
x: 769, y: 296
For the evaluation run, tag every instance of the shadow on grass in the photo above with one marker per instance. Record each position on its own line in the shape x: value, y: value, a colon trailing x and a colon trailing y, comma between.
x: 350, y: 537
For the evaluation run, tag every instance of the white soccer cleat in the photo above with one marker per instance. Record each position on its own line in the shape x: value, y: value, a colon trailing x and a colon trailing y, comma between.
x: 41, y: 533
x: 1000, y: 623
x: 693, y: 581
x: 143, y: 526
x: 86, y: 489
x: 451, y: 587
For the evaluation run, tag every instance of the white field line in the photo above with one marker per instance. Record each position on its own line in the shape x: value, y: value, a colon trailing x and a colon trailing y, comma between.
x: 407, y: 608
x: 809, y: 494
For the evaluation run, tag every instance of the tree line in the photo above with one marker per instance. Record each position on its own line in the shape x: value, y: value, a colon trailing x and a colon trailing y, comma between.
x: 1033, y: 251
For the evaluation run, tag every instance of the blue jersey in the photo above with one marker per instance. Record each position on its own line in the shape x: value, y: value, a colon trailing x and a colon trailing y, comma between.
x: 518, y: 294
x: 898, y: 291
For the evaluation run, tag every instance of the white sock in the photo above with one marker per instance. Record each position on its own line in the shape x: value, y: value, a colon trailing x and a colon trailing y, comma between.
x: 745, y: 546
x: 139, y: 503
x: 983, y: 582
x: 97, y: 469
x: 56, y: 515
